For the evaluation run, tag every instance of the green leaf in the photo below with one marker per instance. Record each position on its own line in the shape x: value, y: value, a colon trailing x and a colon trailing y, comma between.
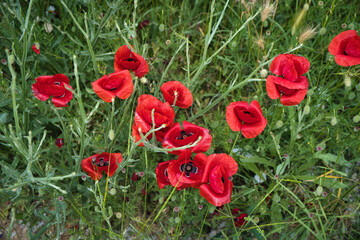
x: 328, y: 157
x: 256, y: 159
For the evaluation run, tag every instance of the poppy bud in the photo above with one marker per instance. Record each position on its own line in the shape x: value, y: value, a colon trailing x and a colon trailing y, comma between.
x: 306, y: 6
x: 143, y: 80
x: 161, y: 27
x: 307, y: 109
x: 279, y: 124
x: 112, y: 191
x: 319, y: 190
x: 11, y: 59
x: 347, y: 81
x: 263, y: 73
x: 333, y: 121
x: 322, y: 31
x: 111, y: 134
x: 356, y: 118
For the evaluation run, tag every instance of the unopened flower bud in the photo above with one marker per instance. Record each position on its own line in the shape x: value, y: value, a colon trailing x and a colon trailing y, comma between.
x: 319, y: 190
x: 347, y: 81
x: 356, y: 118
x: 333, y: 121
x: 306, y: 6
x: 322, y: 31
x: 279, y: 124
x: 307, y: 109
x: 11, y: 59
x: 112, y: 191
x: 161, y: 27
x: 143, y: 80
x: 111, y: 134
x: 263, y: 73
x: 351, y: 96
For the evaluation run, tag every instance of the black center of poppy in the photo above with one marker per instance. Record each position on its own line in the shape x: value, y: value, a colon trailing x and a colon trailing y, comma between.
x: 101, y: 162
x: 130, y: 59
x: 246, y: 112
x: 57, y: 83
x: 166, y: 173
x: 188, y: 168
x: 184, y: 135
x: 222, y: 179
x: 112, y: 89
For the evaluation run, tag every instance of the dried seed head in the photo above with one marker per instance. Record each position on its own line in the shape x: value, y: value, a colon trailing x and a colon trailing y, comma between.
x: 260, y: 42
x: 48, y: 27
x: 306, y: 34
x: 267, y: 10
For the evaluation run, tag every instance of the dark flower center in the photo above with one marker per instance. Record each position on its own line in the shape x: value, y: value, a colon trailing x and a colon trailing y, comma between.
x: 188, y: 168
x: 223, y: 179
x: 184, y: 135
x: 100, y: 163
x: 57, y: 83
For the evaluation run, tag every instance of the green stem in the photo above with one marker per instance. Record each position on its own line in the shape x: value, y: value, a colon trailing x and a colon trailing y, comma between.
x: 13, y: 91
x: 293, y: 130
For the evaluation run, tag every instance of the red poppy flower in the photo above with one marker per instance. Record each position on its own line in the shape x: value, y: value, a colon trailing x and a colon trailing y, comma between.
x: 186, y: 172
x: 134, y: 177
x: 290, y: 85
x: 163, y: 115
x: 35, y: 49
x: 346, y: 48
x: 47, y: 86
x: 125, y: 59
x: 184, y: 98
x: 219, y: 168
x: 177, y: 137
x: 107, y: 162
x: 116, y: 84
x: 59, y: 142
x: 247, y: 118
x: 239, y: 221
x: 162, y: 176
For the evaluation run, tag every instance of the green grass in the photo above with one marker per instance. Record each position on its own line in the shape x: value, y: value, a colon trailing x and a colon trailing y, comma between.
x: 212, y: 47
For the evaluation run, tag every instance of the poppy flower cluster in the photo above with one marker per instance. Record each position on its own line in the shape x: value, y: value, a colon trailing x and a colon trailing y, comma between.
x: 212, y: 175
x: 119, y: 84
x: 152, y: 113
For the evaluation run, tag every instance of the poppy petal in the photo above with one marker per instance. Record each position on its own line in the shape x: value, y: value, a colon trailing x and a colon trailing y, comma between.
x: 63, y: 100
x: 301, y: 83
x: 294, y: 99
x: 217, y: 199
x: 271, y: 89
x: 162, y: 174
x: 347, y: 61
